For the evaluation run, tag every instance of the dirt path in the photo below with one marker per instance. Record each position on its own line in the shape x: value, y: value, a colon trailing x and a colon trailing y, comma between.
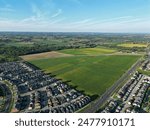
x: 52, y: 54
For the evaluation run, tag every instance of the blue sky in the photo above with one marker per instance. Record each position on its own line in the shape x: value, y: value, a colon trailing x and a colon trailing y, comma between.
x: 75, y: 15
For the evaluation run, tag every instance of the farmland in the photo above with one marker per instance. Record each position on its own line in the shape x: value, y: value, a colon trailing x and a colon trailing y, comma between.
x: 89, y: 51
x: 69, y: 52
x: 52, y: 54
x: 73, y: 69
x: 131, y: 45
x: 91, y: 74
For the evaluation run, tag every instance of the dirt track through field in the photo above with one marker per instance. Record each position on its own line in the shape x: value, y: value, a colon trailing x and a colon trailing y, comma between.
x: 52, y: 54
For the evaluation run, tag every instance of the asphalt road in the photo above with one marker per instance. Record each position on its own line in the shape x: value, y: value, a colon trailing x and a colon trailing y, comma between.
x: 95, y: 106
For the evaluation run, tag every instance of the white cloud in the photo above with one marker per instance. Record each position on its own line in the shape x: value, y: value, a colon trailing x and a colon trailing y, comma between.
x: 37, y: 12
x: 116, y: 19
x: 130, y: 21
x: 30, y: 19
x: 58, y: 26
x: 90, y: 22
x: 59, y: 11
x: 7, y: 8
x: 76, y: 1
x: 83, y: 21
x: 39, y: 21
x: 55, y: 21
x: 41, y: 18
x: 2, y: 19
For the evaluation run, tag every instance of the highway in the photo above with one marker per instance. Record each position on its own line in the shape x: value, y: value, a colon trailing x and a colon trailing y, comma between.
x: 95, y: 106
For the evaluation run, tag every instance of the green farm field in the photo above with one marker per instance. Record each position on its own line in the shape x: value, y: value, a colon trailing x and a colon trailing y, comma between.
x: 91, y: 74
x: 89, y: 51
x: 131, y: 45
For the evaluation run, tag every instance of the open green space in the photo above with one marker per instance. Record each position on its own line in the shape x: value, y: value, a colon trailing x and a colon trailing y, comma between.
x: 92, y: 74
x: 21, y: 44
x: 131, y: 45
x: 89, y: 51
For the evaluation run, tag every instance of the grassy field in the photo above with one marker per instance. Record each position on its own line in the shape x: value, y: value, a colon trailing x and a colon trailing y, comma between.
x: 20, y: 44
x: 69, y: 52
x: 92, y: 74
x: 131, y: 45
x: 89, y: 51
x: 52, y: 54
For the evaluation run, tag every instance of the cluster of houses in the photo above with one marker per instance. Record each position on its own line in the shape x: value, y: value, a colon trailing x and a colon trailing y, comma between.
x: 6, y: 96
x: 146, y: 65
x: 130, y: 97
x: 36, y: 91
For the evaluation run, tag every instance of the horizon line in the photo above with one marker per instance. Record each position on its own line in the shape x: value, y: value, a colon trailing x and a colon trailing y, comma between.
x: 73, y: 32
